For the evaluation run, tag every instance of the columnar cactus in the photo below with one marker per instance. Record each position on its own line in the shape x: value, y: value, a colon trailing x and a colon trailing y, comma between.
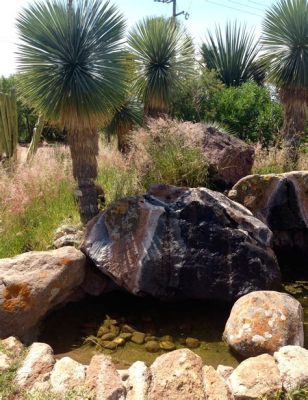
x: 8, y: 125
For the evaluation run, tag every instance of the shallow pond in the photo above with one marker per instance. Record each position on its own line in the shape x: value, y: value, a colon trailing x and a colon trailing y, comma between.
x: 66, y: 328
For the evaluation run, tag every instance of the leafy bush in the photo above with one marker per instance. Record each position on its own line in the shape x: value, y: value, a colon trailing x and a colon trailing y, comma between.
x: 169, y: 152
x: 248, y: 111
x: 191, y: 101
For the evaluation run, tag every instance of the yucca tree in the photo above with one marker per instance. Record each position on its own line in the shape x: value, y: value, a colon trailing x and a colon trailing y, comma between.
x: 285, y: 45
x: 70, y: 60
x: 232, y: 52
x: 163, y: 53
x: 123, y: 121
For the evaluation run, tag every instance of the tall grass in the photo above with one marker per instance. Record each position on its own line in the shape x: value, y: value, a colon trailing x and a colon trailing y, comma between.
x: 169, y: 152
x: 271, y: 161
x: 34, y: 200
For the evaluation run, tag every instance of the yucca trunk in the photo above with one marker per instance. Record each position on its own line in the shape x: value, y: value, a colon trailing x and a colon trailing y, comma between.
x: 124, y: 136
x: 84, y: 150
x: 295, y: 117
x: 37, y: 131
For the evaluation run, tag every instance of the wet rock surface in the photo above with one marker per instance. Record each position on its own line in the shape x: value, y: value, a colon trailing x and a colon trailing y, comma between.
x: 181, y: 243
x: 281, y: 202
x: 263, y: 322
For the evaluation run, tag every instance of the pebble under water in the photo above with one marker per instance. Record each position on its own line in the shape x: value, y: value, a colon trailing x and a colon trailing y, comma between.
x: 66, y: 329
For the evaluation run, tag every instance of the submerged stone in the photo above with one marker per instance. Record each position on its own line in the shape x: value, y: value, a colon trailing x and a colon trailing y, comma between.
x: 192, y: 343
x: 108, y: 345
x: 152, y: 346
x: 138, y: 337
x: 166, y: 345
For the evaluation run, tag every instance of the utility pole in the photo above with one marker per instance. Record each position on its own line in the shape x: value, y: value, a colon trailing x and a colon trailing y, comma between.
x: 174, y: 11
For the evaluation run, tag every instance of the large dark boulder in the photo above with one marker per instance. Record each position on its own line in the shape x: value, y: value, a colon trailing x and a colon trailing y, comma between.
x: 281, y: 202
x: 179, y: 243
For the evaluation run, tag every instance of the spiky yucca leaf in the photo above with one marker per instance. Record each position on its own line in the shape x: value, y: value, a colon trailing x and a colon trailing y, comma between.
x: 232, y: 52
x: 285, y: 43
x: 164, y: 54
x: 70, y: 60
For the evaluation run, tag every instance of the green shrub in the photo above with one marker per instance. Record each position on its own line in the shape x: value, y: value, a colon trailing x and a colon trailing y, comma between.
x: 248, y: 111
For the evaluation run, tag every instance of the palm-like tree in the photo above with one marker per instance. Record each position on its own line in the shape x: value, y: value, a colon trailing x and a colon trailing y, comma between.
x: 232, y: 52
x: 285, y: 45
x: 163, y: 54
x: 123, y: 121
x: 72, y: 72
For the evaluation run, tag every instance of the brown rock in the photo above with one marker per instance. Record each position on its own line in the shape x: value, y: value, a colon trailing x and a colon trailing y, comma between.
x: 255, y: 377
x: 177, y: 376
x: 215, y: 386
x: 292, y: 362
x: 281, y: 202
x: 103, y: 380
x: 36, y: 367
x: 262, y: 322
x: 33, y: 283
x: 230, y: 159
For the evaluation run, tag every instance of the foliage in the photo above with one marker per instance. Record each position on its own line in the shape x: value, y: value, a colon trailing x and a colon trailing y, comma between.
x: 123, y: 120
x: 71, y: 60
x: 296, y: 394
x: 169, y: 152
x: 285, y: 42
x: 248, y: 111
x: 192, y: 99
x: 233, y: 54
x: 163, y: 53
x: 116, y: 175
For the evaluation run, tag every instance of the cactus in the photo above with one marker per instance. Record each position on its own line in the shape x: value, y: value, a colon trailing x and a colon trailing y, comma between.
x: 8, y: 125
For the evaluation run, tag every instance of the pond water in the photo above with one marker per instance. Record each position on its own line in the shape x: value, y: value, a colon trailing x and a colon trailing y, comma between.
x: 66, y: 328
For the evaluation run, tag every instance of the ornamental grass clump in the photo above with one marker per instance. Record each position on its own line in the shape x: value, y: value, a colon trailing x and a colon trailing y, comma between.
x: 169, y: 152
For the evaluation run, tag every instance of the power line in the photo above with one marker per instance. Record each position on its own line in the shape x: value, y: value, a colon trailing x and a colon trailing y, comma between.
x: 258, y: 3
x: 233, y: 8
x: 244, y: 5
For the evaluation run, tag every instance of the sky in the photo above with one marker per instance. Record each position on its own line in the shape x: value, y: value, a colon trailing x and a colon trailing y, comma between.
x: 203, y: 15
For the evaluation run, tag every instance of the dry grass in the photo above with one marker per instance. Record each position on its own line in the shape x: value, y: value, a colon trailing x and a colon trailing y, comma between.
x: 169, y: 152
x: 270, y: 161
x: 25, y: 183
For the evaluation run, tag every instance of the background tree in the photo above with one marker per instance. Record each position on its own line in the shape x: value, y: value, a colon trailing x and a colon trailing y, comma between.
x: 232, y: 52
x: 163, y: 54
x: 285, y: 43
x: 72, y: 72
